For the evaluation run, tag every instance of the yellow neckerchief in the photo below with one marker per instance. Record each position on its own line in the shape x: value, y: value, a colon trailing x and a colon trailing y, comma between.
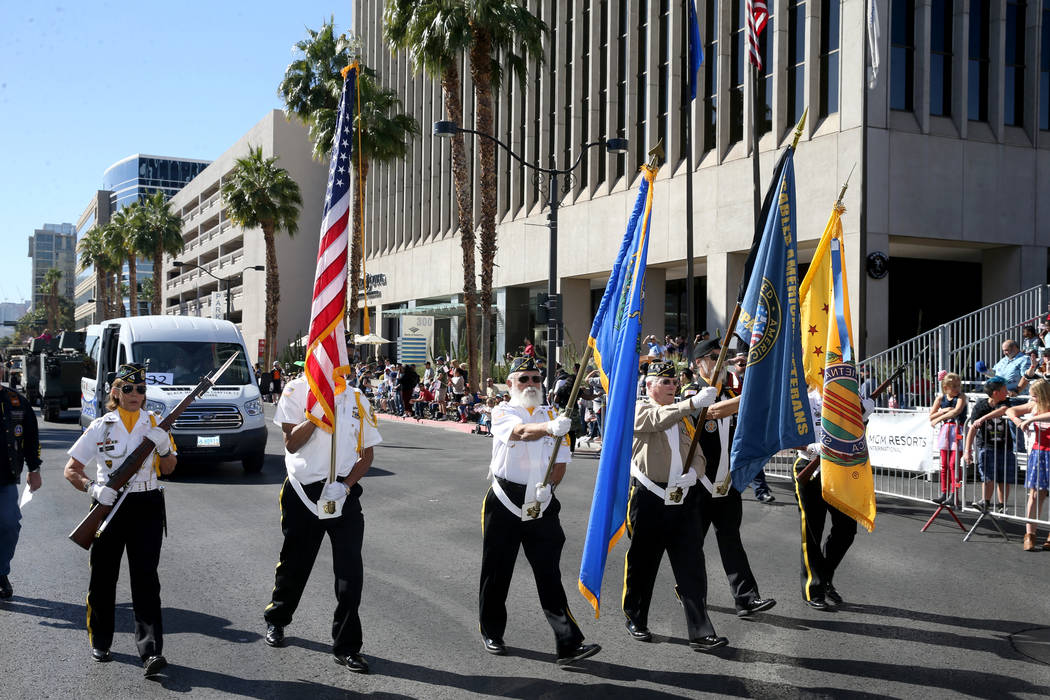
x: 128, y: 418
x: 725, y: 387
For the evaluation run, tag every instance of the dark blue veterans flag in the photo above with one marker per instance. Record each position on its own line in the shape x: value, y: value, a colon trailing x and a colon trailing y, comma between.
x: 774, y: 411
x: 696, y: 49
x: 614, y: 337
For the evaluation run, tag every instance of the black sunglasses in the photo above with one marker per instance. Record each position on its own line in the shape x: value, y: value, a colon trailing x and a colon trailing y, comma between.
x: 128, y: 388
x: 526, y: 378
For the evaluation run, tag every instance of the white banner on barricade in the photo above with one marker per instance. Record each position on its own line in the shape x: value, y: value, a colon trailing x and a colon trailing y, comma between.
x: 902, y: 441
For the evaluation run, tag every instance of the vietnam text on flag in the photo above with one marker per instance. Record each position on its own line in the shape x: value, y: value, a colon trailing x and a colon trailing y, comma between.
x: 845, y: 470
x: 774, y: 412
x: 326, y: 352
x: 614, y: 337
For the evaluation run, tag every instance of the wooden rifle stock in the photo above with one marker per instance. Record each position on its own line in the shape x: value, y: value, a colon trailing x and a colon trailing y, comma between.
x: 85, y: 532
x: 806, y: 473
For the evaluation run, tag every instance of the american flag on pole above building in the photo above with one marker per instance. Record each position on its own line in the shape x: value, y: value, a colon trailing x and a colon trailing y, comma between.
x: 326, y: 360
x: 756, y: 15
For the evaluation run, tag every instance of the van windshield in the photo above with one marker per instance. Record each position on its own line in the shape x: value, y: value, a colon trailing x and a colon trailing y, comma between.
x: 177, y: 362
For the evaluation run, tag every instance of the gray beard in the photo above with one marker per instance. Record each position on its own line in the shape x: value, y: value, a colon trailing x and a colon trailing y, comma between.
x: 526, y: 398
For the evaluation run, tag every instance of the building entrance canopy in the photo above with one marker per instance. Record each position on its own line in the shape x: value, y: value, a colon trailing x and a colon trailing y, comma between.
x: 449, y: 310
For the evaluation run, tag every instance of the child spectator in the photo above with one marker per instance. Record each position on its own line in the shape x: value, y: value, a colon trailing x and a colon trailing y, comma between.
x: 949, y: 413
x: 1037, y: 473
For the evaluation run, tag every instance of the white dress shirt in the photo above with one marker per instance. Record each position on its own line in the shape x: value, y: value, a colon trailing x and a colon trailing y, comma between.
x: 520, y: 461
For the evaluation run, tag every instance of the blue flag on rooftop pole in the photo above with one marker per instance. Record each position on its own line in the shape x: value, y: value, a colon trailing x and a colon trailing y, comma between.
x: 614, y: 338
x: 696, y: 49
x: 774, y: 409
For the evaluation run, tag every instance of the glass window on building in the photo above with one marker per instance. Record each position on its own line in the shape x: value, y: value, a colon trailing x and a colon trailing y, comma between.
x: 567, y: 145
x: 663, y: 82
x: 1013, y: 92
x: 941, y: 17
x: 977, y: 70
x: 830, y: 11
x: 1044, y: 69
x: 622, y: 71
x: 641, y: 99
x: 710, y: 29
x: 737, y: 73
x: 765, y: 79
x: 603, y: 81
x: 902, y: 55
x: 796, y: 69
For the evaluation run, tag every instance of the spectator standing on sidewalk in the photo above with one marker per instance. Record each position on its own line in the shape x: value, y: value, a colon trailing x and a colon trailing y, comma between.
x: 947, y: 417
x: 1037, y: 471
x: 996, y: 462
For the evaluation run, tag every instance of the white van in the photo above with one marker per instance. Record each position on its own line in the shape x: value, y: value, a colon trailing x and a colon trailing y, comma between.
x: 225, y: 424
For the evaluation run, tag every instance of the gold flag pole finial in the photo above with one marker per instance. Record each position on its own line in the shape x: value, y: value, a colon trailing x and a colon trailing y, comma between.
x: 798, y: 127
x: 845, y: 185
x: 656, y: 155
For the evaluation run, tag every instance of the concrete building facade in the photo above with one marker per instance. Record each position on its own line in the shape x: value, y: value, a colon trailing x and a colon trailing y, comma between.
x: 951, y: 150
x: 53, y: 246
x: 215, y: 244
x: 87, y: 302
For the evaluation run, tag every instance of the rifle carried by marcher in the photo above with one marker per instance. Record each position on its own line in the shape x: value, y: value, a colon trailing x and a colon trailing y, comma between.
x: 99, y: 515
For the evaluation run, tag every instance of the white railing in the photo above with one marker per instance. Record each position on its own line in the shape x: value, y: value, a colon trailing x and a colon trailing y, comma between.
x: 955, y: 346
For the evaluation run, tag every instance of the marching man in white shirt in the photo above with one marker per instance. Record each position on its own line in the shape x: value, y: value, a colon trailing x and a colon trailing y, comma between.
x: 307, y: 456
x: 520, y: 512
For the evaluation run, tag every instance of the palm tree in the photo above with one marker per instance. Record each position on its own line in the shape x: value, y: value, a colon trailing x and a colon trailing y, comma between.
x: 311, y: 89
x: 260, y: 194
x: 503, y: 32
x: 435, y: 33
x: 162, y: 232
x: 93, y: 254
x: 49, y: 288
x: 119, y: 239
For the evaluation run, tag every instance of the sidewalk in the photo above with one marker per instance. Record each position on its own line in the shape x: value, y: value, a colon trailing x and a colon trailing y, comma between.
x: 582, y: 445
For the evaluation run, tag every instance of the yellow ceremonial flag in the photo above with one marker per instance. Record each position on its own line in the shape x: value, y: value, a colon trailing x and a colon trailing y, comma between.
x: 814, y: 295
x: 845, y: 469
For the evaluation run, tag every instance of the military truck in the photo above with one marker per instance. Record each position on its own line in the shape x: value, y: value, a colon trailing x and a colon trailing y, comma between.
x: 31, y: 370
x: 16, y: 357
x: 61, y: 364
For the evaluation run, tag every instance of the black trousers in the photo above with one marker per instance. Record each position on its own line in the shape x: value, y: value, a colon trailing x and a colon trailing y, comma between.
x: 655, y: 528
x: 138, y: 527
x: 726, y: 514
x: 303, y: 533
x: 502, y: 534
x: 820, y: 562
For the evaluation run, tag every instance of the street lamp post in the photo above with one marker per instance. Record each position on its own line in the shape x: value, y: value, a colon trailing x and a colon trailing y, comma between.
x: 446, y: 129
x: 220, y: 280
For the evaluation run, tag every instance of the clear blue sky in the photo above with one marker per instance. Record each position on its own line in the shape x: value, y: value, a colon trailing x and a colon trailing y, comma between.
x: 85, y: 84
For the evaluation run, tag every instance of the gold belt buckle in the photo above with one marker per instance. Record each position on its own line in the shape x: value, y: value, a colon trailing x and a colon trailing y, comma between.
x: 676, y: 495
x: 533, y: 511
x: 329, y: 507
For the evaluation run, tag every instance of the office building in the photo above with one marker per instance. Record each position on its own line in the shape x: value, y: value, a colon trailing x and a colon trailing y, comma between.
x: 88, y: 300
x: 951, y: 150
x: 219, y: 254
x: 53, y: 246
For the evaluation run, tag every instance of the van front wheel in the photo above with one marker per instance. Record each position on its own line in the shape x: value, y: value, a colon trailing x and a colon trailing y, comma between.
x: 253, y: 464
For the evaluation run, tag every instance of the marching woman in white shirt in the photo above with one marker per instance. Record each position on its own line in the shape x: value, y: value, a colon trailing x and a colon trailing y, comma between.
x: 137, y: 526
x: 520, y: 512
x: 307, y: 456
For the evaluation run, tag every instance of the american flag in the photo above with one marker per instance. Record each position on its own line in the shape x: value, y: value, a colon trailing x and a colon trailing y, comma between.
x: 756, y: 15
x: 326, y: 360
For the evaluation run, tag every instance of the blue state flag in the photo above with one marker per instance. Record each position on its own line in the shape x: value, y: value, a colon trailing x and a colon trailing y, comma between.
x: 696, y: 49
x: 614, y: 338
x: 774, y: 410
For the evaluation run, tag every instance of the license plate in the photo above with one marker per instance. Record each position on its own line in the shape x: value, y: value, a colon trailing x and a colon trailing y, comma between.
x: 208, y: 441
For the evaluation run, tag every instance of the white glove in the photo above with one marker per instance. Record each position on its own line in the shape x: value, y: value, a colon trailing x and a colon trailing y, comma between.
x: 704, y: 398
x: 333, y: 492
x: 103, y: 494
x: 867, y: 407
x: 159, y: 437
x: 543, y: 493
x: 559, y: 426
x: 687, y: 480
x: 812, y: 450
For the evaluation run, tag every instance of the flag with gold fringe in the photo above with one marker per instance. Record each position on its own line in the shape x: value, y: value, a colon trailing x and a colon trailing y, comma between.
x: 845, y: 469
x: 614, y: 338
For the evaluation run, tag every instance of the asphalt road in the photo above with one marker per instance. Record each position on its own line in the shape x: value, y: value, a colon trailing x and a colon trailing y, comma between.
x: 929, y: 616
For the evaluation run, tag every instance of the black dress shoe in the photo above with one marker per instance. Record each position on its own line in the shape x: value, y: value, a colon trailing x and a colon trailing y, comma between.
x: 818, y: 604
x: 583, y: 651
x: 642, y: 634
x: 494, y: 646
x: 153, y: 665
x: 831, y: 594
x: 708, y: 643
x: 5, y: 587
x: 101, y: 655
x: 274, y: 635
x: 940, y: 499
x: 353, y: 662
x: 756, y: 605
